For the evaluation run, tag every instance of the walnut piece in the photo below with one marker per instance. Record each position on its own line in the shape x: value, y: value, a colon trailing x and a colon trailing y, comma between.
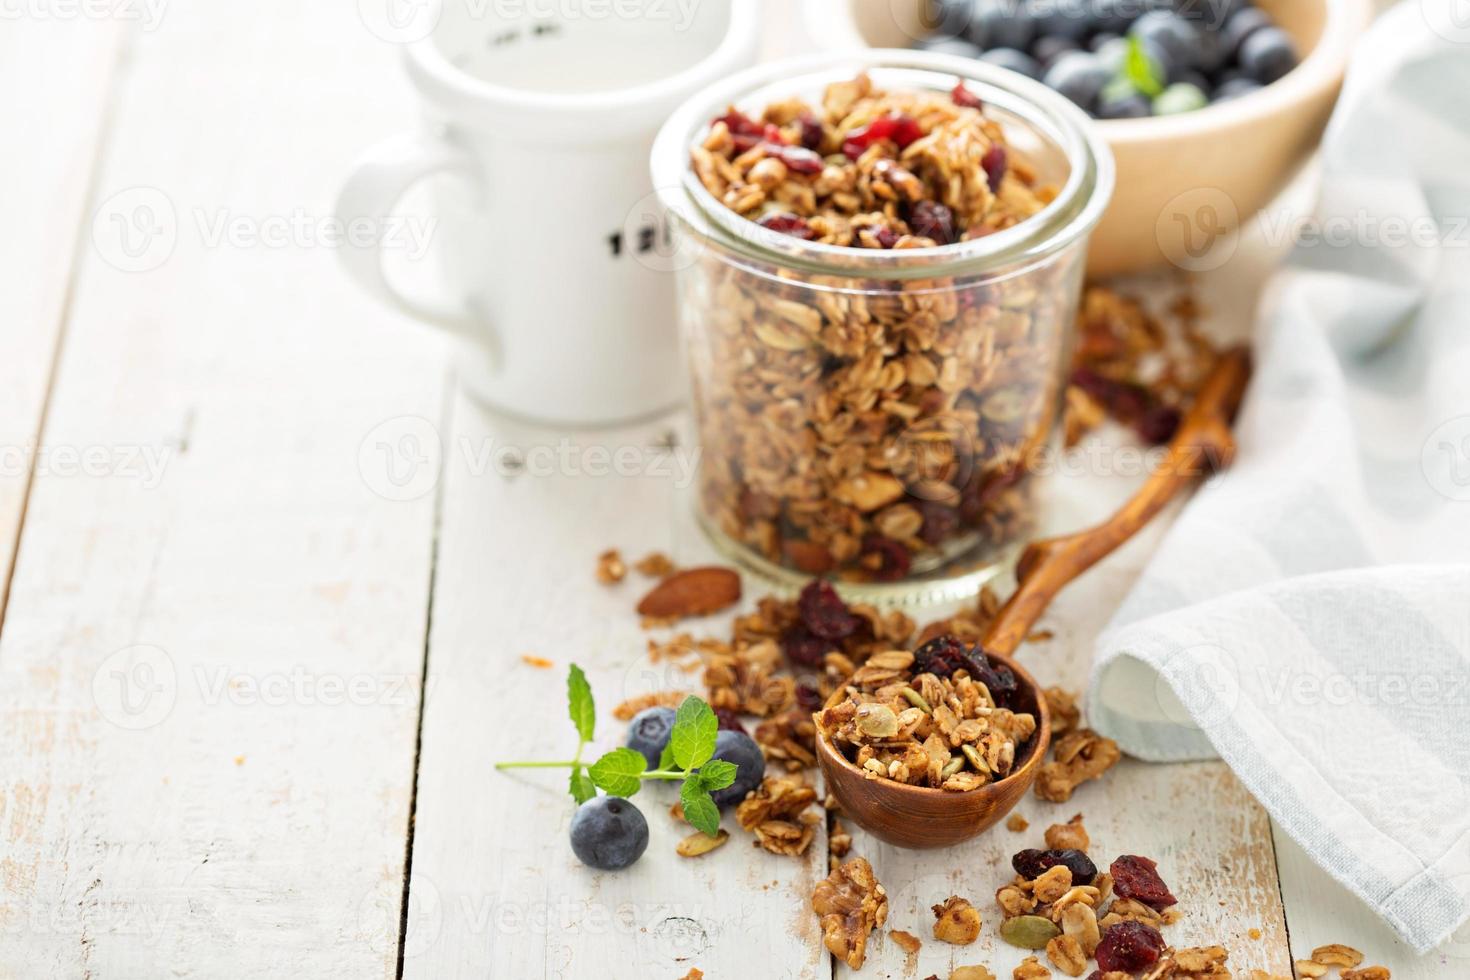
x: 956, y: 921
x: 906, y: 941
x: 1016, y: 823
x: 850, y: 903
x: 1076, y: 757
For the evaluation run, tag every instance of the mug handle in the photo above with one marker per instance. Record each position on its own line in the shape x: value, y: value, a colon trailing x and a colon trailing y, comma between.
x: 378, y: 182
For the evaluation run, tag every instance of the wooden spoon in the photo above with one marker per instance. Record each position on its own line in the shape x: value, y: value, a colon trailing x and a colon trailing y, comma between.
x: 918, y: 816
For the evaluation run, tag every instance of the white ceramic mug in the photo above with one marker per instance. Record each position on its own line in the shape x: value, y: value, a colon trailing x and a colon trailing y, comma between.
x: 547, y: 109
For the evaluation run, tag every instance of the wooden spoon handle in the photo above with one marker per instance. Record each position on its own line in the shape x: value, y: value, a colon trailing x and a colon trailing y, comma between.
x: 1202, y: 444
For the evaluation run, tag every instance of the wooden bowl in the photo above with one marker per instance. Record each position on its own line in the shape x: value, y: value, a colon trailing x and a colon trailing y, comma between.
x: 917, y: 816
x: 1184, y: 181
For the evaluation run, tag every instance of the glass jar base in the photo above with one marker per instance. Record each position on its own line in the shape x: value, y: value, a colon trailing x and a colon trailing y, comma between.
x: 954, y: 581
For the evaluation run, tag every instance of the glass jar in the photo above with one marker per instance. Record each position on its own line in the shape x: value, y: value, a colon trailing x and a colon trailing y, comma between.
x: 877, y: 416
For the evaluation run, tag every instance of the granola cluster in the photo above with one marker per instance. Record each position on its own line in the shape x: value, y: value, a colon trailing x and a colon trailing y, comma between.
x: 777, y: 813
x: 863, y: 427
x: 939, y: 727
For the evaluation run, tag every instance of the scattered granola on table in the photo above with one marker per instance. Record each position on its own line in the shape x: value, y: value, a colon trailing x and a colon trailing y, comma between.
x: 610, y: 567
x: 1031, y: 969
x: 862, y: 427
x: 777, y: 813
x: 1016, y: 823
x: 906, y: 941
x: 956, y: 921
x: 850, y: 904
x: 1141, y: 371
x: 937, y: 717
x: 655, y: 564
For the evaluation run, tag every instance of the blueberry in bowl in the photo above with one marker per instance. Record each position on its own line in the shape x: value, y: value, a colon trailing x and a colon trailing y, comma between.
x: 1205, y: 104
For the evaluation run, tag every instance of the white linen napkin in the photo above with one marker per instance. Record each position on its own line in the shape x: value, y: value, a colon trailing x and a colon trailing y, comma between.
x: 1307, y: 619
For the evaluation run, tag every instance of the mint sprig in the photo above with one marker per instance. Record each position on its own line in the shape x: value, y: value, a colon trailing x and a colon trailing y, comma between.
x: 688, y: 758
x: 1141, y: 70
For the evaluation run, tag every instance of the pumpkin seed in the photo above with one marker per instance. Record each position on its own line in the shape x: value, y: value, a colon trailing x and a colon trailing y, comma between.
x: 877, y: 721
x: 701, y: 843
x: 916, y: 699
x: 953, y: 766
x: 1029, y: 931
x: 976, y: 759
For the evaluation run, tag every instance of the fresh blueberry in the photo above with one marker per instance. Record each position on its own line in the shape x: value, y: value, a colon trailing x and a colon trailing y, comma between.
x: 608, y: 832
x: 947, y: 18
x: 741, y: 749
x: 1213, y: 53
x: 1080, y: 76
x: 1113, y: 54
x: 1120, y: 100
x: 1267, y: 55
x: 1179, y: 98
x: 1177, y: 37
x: 648, y: 732
x: 1241, y: 26
x: 1002, y: 24
x: 1070, y: 19
x: 950, y: 45
x: 1017, y: 61
x: 1050, y: 47
x: 1236, y: 87
x: 1101, y: 40
x: 1197, y: 79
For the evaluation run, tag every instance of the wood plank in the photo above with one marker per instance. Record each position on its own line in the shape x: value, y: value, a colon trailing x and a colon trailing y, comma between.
x: 209, y: 674
x: 515, y: 576
x: 47, y: 185
x: 1321, y: 911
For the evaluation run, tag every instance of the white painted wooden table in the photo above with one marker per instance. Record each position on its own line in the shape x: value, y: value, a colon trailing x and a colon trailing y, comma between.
x: 259, y: 652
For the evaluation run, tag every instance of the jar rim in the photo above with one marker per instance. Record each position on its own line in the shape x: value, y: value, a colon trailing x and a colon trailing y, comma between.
x: 1070, y: 216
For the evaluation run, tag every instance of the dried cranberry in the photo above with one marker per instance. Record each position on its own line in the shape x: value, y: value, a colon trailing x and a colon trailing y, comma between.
x: 902, y: 130
x: 798, y: 160
x: 788, y: 224
x: 804, y: 648
x: 808, y: 697
x: 1129, y: 947
x: 1124, y: 401
x: 729, y: 721
x: 930, y: 219
x: 998, y: 679
x: 1138, y: 878
x: 887, y: 237
x: 962, y: 96
x: 739, y: 124
x: 1157, y: 424
x: 941, y: 656
x: 812, y: 133
x: 893, y: 559
x: 1031, y: 864
x: 823, y: 612
x: 995, y: 163
x: 940, y: 522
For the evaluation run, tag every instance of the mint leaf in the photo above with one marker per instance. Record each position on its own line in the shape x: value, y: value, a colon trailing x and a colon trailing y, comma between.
x: 582, y: 787
x: 580, y: 704
x: 717, y: 774
x: 666, y: 757
x: 693, y: 738
x: 1142, y: 70
x: 699, y: 809
x: 617, y: 772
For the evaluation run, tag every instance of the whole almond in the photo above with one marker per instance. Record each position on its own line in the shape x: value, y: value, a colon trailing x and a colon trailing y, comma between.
x: 692, y: 592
